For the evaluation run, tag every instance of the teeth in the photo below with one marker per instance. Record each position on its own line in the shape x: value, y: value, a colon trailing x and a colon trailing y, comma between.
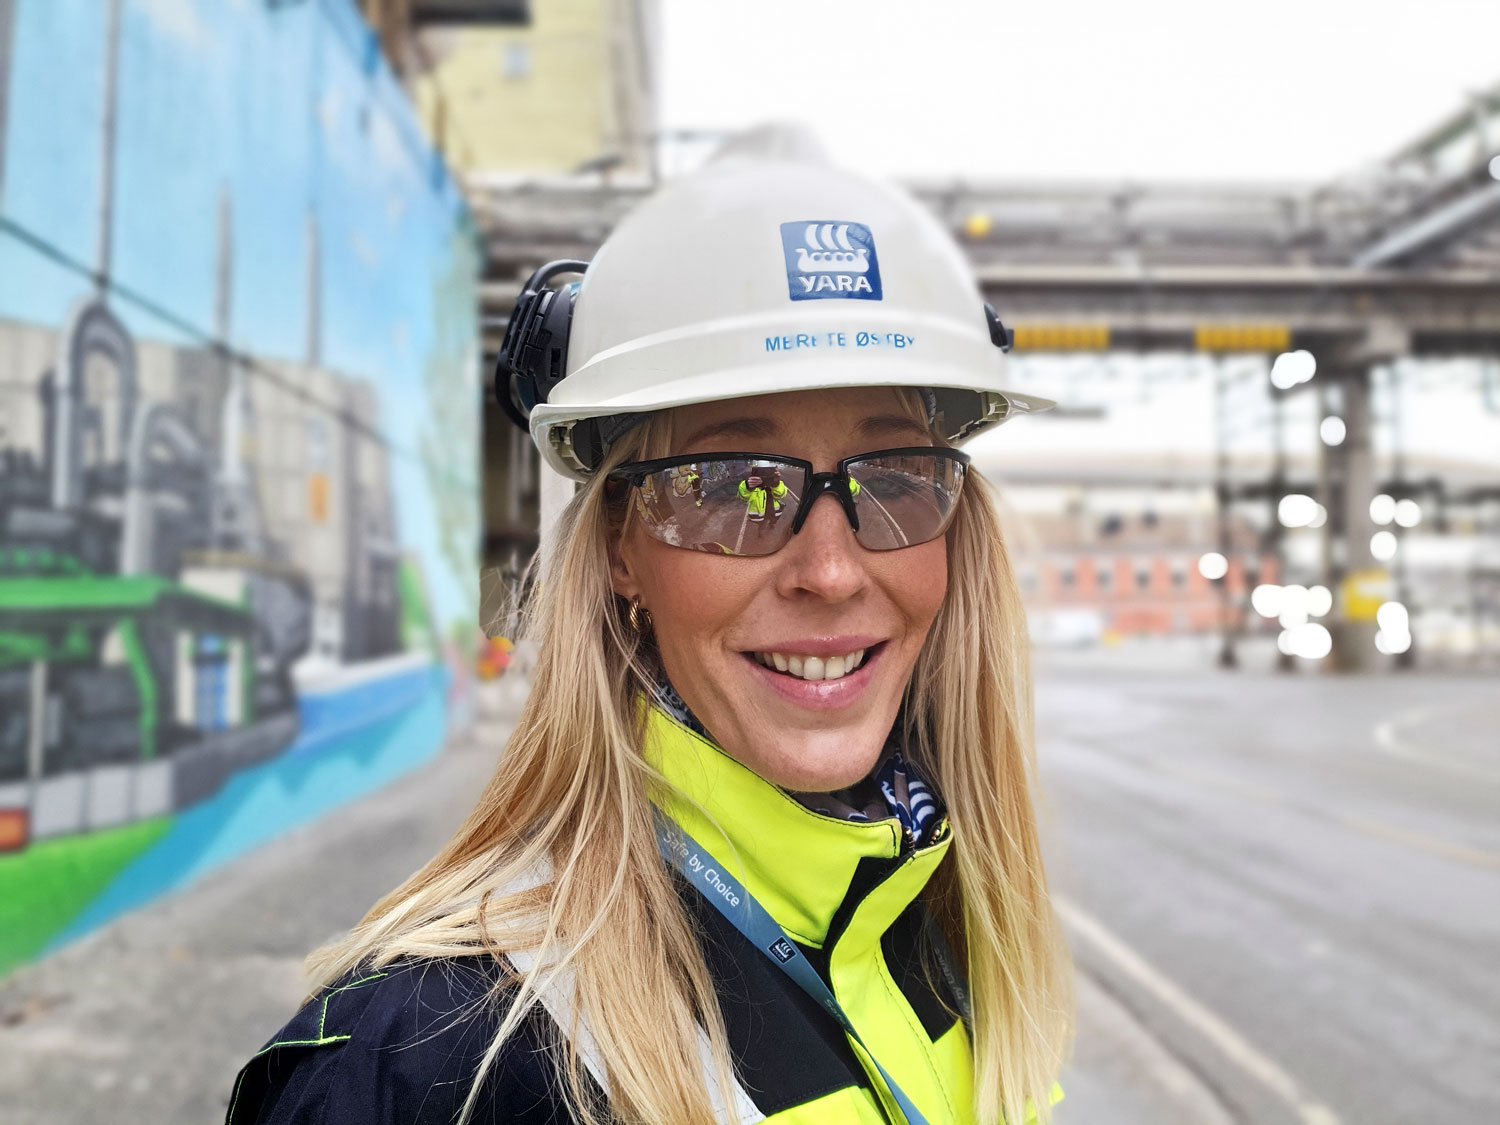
x: 812, y: 667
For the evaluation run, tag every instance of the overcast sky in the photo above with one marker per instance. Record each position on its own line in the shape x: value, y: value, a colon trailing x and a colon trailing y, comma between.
x: 1283, y: 90
x: 1152, y: 89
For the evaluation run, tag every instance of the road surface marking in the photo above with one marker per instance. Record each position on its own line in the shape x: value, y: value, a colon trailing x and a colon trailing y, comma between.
x: 1392, y: 743
x: 1113, y: 1026
x: 1379, y: 829
x: 1463, y: 853
x: 1233, y: 1045
x: 740, y: 539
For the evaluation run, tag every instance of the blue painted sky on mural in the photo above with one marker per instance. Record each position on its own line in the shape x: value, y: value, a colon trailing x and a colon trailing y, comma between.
x: 208, y: 110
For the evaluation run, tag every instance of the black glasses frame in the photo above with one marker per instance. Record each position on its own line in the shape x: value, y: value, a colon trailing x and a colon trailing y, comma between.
x: 635, y: 473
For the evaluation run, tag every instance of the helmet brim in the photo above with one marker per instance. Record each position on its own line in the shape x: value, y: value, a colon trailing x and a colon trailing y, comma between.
x: 959, y: 423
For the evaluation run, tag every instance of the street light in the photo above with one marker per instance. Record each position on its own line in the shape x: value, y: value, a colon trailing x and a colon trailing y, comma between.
x: 1265, y: 599
x: 1383, y: 546
x: 1408, y: 513
x: 1332, y: 430
x: 1296, y: 509
x: 1308, y: 640
x: 1291, y: 368
x: 1394, y: 635
x: 1393, y: 618
x: 1319, y: 601
x: 1495, y: 167
x: 1293, y: 613
x: 1392, y: 645
x: 1213, y: 565
x: 1382, y: 509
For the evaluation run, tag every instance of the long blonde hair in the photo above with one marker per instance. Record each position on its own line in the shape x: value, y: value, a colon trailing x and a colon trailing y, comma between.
x: 570, y: 798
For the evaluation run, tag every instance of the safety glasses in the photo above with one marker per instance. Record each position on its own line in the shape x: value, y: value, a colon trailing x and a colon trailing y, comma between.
x: 753, y: 503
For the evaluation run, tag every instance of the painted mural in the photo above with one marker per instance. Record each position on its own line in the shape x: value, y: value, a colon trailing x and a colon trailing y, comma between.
x: 238, y: 455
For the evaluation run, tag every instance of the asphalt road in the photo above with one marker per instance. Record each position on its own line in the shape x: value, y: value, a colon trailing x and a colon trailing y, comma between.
x: 1292, y: 883
x: 1283, y: 893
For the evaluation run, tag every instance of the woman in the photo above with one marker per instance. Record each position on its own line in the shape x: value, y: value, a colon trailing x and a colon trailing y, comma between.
x: 762, y: 845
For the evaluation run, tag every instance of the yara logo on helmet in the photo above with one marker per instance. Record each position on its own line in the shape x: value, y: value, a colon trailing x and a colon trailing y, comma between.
x: 830, y: 258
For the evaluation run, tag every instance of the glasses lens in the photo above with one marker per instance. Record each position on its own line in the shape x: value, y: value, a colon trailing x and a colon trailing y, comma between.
x: 904, y: 499
x: 725, y: 506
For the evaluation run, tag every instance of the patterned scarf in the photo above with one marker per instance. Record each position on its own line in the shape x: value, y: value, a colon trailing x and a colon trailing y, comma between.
x: 894, y: 789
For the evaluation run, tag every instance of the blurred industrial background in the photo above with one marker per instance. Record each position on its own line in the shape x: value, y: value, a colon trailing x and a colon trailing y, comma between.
x: 262, y: 524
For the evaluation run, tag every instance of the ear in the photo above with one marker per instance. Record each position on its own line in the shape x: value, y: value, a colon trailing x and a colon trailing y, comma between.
x: 623, y: 566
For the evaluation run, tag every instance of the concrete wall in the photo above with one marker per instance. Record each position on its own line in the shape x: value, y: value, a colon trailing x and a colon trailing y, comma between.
x: 238, y: 453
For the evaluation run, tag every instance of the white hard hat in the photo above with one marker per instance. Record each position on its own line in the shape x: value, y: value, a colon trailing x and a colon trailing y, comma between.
x: 750, y: 277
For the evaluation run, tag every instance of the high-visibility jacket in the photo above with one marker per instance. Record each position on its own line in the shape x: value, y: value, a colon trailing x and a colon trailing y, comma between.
x: 755, y: 498
x: 402, y: 1044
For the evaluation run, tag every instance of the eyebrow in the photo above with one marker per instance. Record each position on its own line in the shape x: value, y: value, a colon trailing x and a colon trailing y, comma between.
x: 735, y: 427
x: 891, y: 423
x: 764, y: 428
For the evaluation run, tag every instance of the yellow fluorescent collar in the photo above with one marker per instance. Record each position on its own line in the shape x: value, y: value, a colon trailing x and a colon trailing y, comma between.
x: 796, y: 862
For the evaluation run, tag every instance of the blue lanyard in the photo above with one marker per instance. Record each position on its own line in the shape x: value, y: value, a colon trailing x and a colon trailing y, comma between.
x: 726, y: 895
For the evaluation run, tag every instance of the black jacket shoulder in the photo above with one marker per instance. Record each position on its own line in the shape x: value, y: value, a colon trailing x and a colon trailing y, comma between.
x: 401, y: 1046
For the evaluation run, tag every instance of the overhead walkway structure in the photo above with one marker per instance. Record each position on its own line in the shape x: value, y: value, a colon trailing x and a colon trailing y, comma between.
x: 1398, y: 259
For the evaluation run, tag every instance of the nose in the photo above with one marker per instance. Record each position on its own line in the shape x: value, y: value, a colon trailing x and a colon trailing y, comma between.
x: 822, y: 560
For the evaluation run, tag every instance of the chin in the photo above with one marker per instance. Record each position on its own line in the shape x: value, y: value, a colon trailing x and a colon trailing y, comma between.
x: 821, y: 762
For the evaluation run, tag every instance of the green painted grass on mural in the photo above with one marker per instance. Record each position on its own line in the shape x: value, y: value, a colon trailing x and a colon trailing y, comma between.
x: 44, y: 887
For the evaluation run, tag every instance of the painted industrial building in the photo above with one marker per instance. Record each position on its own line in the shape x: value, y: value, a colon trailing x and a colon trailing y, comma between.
x: 239, y: 462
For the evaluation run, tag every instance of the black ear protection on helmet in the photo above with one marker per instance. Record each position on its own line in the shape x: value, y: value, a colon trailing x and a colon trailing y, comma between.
x: 534, y: 356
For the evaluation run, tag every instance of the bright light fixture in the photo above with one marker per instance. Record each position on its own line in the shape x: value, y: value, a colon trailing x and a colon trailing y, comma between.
x: 978, y: 225
x: 1392, y: 644
x: 1265, y: 599
x: 1293, y: 607
x: 1320, y: 517
x: 1308, y: 640
x: 1296, y: 509
x: 1319, y: 601
x: 1495, y: 167
x: 1383, y: 546
x: 1393, y: 618
x: 1332, y: 430
x: 1291, y: 368
x: 1382, y: 509
x: 1318, y: 641
x: 1213, y: 565
x: 1408, y: 513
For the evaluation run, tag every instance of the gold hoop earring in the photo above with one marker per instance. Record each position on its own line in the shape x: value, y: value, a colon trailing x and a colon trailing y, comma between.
x: 640, y: 616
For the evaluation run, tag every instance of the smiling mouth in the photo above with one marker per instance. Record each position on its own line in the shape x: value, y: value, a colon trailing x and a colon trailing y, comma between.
x: 801, y: 667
